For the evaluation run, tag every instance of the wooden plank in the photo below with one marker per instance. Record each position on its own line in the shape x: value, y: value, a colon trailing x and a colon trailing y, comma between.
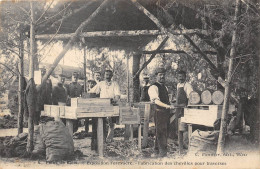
x: 129, y: 115
x: 55, y: 111
x: 180, y: 137
x: 62, y: 111
x: 189, y: 133
x: 116, y: 33
x: 70, y: 112
x: 98, y: 114
x: 146, y: 124
x: 69, y: 125
x: 131, y: 133
x: 100, y: 137
x: 94, y: 109
x: 92, y: 102
x: 139, y: 137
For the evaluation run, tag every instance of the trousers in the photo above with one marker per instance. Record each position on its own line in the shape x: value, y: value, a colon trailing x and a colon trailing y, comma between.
x: 161, y: 119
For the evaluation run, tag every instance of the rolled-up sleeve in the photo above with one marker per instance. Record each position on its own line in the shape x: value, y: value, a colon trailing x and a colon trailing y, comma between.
x: 153, y: 93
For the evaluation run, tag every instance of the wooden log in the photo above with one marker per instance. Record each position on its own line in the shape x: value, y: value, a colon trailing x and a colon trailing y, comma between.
x: 180, y: 137
x: 194, y: 98
x: 100, y: 137
x: 217, y: 97
x: 206, y: 97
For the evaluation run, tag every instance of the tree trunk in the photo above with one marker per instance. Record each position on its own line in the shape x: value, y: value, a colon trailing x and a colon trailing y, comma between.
x: 223, y: 127
x: 31, y: 76
x: 136, y: 80
x: 21, y: 86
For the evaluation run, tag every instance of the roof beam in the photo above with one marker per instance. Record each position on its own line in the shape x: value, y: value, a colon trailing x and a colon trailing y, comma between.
x: 176, y: 52
x: 118, y: 33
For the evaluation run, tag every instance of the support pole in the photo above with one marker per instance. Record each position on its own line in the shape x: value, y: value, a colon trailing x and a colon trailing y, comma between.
x: 21, y: 86
x: 31, y: 76
x: 223, y: 126
x: 84, y: 67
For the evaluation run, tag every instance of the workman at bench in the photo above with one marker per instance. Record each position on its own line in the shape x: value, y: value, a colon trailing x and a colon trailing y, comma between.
x: 74, y: 90
x: 108, y: 89
x: 182, y: 96
x: 159, y: 95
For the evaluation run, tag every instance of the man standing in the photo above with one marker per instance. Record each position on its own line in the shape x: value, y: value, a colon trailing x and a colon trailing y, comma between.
x: 108, y: 89
x: 183, y: 91
x: 74, y: 90
x: 159, y: 95
x: 144, y: 90
x: 59, y: 93
x: 44, y: 96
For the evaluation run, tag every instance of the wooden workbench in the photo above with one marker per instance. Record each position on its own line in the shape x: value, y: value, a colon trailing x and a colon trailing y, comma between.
x: 74, y: 112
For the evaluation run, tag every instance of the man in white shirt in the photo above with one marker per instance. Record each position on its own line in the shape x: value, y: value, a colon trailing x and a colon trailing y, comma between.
x: 158, y: 94
x: 108, y: 89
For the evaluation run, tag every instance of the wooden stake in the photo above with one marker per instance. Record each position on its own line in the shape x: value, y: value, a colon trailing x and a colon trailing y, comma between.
x: 21, y: 86
x: 100, y: 137
x: 223, y: 126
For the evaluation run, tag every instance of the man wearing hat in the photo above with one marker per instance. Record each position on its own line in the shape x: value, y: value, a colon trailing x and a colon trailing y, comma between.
x: 59, y: 93
x: 159, y: 95
x: 144, y: 90
x: 108, y: 89
x: 74, y: 90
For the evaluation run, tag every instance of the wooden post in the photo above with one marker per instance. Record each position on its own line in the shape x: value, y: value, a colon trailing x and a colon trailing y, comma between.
x: 180, y: 137
x: 189, y: 133
x: 100, y: 137
x: 139, y: 137
x: 31, y: 76
x: 147, y: 110
x: 128, y: 85
x: 136, y: 80
x: 223, y: 127
x: 85, y: 67
x: 131, y: 133
x: 21, y: 86
x: 69, y: 124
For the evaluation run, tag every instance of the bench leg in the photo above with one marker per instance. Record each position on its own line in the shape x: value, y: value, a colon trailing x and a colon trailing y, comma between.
x: 180, y: 138
x: 139, y: 137
x: 100, y: 137
x: 146, y: 124
x: 131, y: 133
x: 189, y: 133
x: 69, y: 124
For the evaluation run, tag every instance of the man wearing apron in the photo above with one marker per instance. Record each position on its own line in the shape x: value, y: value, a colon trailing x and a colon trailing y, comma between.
x: 183, y: 91
x: 158, y: 94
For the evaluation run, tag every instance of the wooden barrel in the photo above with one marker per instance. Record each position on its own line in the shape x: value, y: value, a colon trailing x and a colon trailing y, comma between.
x: 206, y: 97
x: 217, y: 97
x: 194, y: 98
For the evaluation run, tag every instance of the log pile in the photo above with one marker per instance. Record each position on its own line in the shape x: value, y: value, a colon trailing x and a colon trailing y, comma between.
x: 206, y: 97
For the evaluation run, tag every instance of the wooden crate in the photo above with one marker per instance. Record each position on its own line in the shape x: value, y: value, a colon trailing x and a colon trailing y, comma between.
x: 203, y: 114
x: 129, y: 115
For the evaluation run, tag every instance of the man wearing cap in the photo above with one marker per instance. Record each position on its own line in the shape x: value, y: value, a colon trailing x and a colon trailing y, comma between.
x: 182, y: 96
x: 108, y: 89
x: 159, y: 95
x: 144, y: 90
x: 74, y: 90
x: 59, y: 93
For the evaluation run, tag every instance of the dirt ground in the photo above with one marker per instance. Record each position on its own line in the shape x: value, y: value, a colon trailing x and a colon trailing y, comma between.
x: 239, y: 153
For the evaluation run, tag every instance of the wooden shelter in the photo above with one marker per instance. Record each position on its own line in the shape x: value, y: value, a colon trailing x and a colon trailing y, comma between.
x: 127, y: 25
